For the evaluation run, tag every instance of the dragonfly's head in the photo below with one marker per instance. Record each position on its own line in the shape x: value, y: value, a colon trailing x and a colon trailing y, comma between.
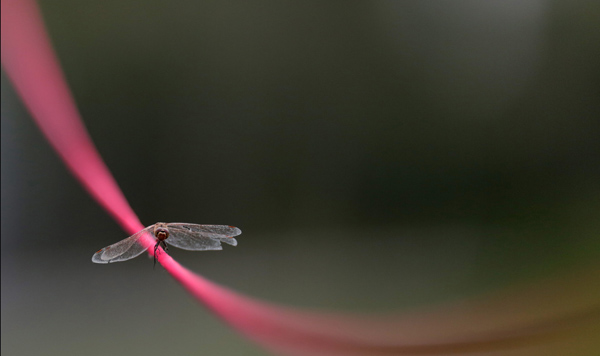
x: 161, y: 233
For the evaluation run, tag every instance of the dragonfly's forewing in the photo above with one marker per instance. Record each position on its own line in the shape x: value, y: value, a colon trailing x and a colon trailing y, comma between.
x: 201, y: 237
x: 123, y: 250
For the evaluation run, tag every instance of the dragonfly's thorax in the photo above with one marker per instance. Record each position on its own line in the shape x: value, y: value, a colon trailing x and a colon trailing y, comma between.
x: 161, y: 232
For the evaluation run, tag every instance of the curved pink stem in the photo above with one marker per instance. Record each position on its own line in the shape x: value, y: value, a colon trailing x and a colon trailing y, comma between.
x: 33, y: 68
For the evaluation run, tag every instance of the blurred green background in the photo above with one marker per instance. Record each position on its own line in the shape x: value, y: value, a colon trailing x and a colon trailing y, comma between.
x: 378, y: 156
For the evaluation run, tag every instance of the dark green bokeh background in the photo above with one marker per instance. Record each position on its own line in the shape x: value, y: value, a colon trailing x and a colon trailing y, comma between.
x: 378, y: 156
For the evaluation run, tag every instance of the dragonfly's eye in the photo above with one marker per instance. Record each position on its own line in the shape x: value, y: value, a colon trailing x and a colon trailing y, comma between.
x: 162, y: 234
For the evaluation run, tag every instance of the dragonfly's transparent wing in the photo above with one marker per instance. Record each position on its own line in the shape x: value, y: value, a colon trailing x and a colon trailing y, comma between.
x: 123, y: 250
x: 201, y: 237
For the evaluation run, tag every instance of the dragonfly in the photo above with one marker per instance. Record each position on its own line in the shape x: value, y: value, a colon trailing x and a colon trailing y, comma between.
x: 186, y: 236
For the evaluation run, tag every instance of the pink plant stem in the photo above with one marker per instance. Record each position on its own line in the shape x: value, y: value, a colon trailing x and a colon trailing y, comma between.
x: 31, y: 64
x: 29, y: 61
